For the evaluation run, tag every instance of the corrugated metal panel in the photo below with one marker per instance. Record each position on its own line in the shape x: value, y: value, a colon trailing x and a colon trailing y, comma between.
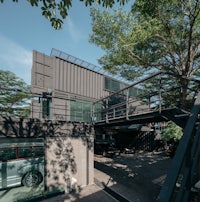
x: 91, y: 84
x: 71, y: 77
x: 94, y: 88
x: 74, y: 79
x: 56, y: 75
x: 60, y: 75
x: 78, y: 81
x: 98, y: 83
x: 65, y: 77
x: 68, y: 77
x: 88, y: 90
x: 82, y: 82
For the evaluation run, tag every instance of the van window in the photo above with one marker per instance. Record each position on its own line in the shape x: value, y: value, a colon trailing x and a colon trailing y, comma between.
x: 27, y: 152
x: 7, y: 154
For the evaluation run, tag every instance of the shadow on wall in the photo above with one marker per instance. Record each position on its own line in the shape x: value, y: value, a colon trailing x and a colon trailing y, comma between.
x: 11, y: 127
x: 61, y: 146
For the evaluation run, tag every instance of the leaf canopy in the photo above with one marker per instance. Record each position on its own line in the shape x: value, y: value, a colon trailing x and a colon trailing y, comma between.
x: 57, y: 10
x: 14, y: 93
x: 155, y: 34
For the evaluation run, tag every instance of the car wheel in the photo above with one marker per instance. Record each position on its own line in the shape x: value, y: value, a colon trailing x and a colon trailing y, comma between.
x: 32, y: 178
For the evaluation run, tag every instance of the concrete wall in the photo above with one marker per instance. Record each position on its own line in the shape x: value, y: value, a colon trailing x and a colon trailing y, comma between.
x: 68, y: 148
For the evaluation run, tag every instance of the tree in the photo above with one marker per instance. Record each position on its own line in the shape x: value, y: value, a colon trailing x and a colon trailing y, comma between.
x: 159, y: 34
x: 55, y: 10
x: 14, y: 94
x: 172, y: 132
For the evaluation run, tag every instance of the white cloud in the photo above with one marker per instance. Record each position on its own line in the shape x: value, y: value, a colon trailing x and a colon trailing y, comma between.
x: 73, y: 31
x: 15, y: 58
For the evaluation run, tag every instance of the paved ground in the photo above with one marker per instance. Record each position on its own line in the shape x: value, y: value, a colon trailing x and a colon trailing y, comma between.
x: 91, y: 193
x: 135, y: 177
x: 138, y: 178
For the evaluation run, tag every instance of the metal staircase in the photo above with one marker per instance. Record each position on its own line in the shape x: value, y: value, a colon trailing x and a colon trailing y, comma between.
x: 178, y: 116
x: 185, y: 168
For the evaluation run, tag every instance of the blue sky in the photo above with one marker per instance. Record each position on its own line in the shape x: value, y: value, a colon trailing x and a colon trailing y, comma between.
x: 24, y: 29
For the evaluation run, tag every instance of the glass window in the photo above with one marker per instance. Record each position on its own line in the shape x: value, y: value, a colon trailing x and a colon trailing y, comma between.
x: 113, y: 85
x: 133, y: 92
x: 39, y: 151
x: 27, y: 152
x: 7, y: 154
x: 97, y: 111
x: 87, y: 111
x: 80, y: 110
x: 45, y: 108
x: 107, y: 83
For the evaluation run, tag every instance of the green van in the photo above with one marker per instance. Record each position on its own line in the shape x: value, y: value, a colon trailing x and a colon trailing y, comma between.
x: 21, y: 162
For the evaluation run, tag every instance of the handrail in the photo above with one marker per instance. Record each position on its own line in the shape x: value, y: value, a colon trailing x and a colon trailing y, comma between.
x: 134, y: 84
x: 184, y: 151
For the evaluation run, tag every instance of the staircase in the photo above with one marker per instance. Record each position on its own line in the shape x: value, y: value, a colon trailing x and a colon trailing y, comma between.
x: 184, y: 170
x: 178, y: 116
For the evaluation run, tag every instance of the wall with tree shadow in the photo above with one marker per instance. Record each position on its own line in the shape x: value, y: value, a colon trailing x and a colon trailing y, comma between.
x: 68, y: 149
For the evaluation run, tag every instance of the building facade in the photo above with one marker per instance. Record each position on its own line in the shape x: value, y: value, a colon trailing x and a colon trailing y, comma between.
x: 68, y: 86
x: 65, y: 89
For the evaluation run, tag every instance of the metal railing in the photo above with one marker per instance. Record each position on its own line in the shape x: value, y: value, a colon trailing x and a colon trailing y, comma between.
x: 153, y: 94
x: 184, y: 171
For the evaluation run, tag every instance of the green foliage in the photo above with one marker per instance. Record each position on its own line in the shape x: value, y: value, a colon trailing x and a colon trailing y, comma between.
x: 14, y: 94
x: 155, y: 34
x: 55, y: 10
x: 172, y: 131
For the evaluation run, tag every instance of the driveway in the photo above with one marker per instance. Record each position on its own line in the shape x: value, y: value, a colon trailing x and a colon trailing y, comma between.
x: 141, y: 174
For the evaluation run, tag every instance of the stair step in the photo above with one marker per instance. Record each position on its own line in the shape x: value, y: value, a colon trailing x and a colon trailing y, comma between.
x: 181, y: 115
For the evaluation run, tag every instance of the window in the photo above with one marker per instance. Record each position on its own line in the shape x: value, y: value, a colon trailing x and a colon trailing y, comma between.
x: 112, y: 85
x: 7, y: 154
x: 45, y: 108
x: 27, y: 152
x: 97, y: 111
x: 81, y: 111
x: 133, y: 92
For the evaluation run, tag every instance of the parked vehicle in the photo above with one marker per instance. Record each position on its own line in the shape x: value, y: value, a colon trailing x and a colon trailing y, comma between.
x: 106, y: 149
x: 21, y: 162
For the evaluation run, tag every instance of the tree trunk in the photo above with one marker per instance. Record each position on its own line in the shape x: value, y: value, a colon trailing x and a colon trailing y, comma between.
x: 183, y: 94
